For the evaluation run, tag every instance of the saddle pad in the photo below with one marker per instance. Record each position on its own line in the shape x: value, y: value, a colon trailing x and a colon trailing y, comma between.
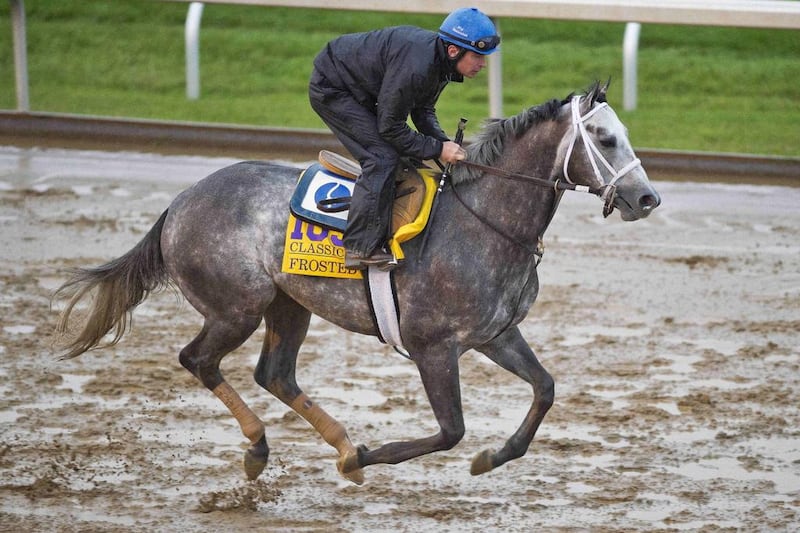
x: 318, y: 183
x: 312, y: 250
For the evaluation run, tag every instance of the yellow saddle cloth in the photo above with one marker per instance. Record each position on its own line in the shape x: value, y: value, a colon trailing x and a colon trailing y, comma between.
x: 313, y: 245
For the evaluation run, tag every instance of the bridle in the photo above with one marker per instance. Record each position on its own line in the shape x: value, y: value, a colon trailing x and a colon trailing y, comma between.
x: 603, y: 190
x: 594, y: 155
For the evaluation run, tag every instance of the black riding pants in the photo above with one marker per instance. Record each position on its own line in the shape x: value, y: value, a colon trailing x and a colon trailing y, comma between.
x: 357, y: 128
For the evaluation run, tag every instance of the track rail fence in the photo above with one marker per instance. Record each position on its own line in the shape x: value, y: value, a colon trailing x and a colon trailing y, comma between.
x: 777, y: 14
x: 782, y: 14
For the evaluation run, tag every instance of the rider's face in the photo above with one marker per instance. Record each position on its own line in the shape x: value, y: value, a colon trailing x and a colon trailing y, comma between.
x: 470, y: 64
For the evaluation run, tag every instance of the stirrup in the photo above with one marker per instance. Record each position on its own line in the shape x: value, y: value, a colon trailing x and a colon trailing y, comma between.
x: 378, y: 259
x: 391, y: 265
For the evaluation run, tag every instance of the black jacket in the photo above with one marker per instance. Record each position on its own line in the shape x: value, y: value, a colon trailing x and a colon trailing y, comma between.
x: 397, y: 72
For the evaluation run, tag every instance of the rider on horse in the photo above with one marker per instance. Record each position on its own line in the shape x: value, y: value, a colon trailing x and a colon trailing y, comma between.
x: 365, y: 86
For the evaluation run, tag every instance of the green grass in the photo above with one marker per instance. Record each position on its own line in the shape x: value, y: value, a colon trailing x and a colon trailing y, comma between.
x: 700, y: 88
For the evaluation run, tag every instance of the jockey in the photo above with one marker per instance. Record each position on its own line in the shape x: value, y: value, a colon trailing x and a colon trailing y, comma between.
x: 365, y: 86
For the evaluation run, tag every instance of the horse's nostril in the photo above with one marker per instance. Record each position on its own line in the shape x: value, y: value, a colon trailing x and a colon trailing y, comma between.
x: 649, y: 201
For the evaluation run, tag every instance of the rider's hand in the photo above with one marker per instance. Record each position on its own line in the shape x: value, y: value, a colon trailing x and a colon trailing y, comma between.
x: 452, y: 152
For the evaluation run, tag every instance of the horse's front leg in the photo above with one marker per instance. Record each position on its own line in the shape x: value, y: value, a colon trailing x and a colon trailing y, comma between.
x: 439, y: 376
x: 511, y: 351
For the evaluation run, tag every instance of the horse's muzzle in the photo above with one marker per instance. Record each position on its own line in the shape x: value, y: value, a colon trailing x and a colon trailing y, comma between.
x: 639, y: 208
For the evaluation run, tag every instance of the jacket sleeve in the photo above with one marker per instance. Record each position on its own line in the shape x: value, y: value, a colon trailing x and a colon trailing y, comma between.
x: 427, y: 123
x: 395, y: 104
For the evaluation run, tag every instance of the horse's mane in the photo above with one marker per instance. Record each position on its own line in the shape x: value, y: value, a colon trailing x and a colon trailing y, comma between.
x: 490, y: 142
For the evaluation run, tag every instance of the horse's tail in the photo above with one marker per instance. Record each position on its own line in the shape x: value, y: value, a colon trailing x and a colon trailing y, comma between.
x: 120, y: 285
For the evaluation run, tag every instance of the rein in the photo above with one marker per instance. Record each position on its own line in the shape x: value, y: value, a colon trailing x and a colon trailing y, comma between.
x: 537, y: 250
x: 556, y: 185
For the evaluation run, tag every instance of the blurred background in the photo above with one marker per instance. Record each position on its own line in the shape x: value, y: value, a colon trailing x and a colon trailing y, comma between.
x: 700, y: 88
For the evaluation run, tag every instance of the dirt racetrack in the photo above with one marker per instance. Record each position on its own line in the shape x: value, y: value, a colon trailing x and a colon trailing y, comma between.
x: 674, y: 342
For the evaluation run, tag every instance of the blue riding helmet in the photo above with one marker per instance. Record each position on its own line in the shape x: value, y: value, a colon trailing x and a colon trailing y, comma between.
x: 471, y: 29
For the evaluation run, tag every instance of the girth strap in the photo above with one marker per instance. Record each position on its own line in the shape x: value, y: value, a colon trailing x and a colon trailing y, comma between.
x: 382, y: 298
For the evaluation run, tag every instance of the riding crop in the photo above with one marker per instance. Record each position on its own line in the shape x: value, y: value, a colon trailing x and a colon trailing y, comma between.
x: 462, y: 124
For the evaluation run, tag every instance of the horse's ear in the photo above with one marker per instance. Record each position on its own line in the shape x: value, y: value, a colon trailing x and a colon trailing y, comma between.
x: 602, y: 91
x: 595, y: 93
x: 598, y: 91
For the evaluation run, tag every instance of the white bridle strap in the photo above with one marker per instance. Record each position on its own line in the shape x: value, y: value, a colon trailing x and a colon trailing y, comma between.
x: 592, y: 151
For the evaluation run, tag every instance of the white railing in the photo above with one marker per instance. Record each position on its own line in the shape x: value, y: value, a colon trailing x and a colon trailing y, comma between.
x: 20, y: 53
x: 779, y: 14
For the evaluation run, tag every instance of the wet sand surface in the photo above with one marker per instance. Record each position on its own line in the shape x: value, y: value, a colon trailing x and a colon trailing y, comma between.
x: 673, y: 341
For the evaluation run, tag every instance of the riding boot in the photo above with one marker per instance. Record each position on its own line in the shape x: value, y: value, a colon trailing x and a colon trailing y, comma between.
x: 369, y: 219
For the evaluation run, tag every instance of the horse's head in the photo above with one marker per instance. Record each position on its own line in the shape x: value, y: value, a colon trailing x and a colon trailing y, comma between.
x: 596, y: 152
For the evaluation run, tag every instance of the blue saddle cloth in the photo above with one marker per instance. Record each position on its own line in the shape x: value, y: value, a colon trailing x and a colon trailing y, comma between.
x: 316, y: 196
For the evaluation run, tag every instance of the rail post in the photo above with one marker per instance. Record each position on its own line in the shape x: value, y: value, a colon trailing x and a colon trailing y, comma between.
x: 630, y: 51
x: 20, y: 53
x: 192, y: 36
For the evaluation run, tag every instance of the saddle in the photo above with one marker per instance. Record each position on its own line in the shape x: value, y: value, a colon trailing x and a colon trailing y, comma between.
x: 409, y: 186
x: 319, y: 206
x: 323, y: 194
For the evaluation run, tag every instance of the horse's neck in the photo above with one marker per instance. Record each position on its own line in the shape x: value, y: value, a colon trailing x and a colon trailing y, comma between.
x: 520, y: 209
x: 535, y: 153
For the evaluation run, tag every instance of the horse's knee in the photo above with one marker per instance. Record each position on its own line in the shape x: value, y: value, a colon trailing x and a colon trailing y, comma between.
x: 278, y: 382
x: 264, y: 374
x: 263, y: 383
x: 452, y: 436
x: 545, y: 391
x: 277, y: 387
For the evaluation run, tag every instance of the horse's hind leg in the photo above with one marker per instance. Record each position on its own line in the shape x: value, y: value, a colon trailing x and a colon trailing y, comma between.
x: 511, y: 351
x: 202, y: 357
x: 287, y: 325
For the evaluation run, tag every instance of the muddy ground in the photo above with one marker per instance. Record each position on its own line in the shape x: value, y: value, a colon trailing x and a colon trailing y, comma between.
x: 673, y: 342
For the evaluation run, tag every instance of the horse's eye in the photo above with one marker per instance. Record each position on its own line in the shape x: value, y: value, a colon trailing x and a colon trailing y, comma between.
x: 608, y: 141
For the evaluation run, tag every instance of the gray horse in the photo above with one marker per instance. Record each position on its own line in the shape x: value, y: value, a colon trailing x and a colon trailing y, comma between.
x: 221, y: 243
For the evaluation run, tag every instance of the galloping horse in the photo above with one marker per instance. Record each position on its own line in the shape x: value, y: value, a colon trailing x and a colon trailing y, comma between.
x: 221, y: 243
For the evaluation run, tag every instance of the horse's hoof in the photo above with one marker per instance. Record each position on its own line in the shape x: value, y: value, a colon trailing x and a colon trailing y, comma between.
x: 255, y: 459
x: 348, y: 462
x: 482, y: 463
x: 253, y: 466
x: 356, y: 476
